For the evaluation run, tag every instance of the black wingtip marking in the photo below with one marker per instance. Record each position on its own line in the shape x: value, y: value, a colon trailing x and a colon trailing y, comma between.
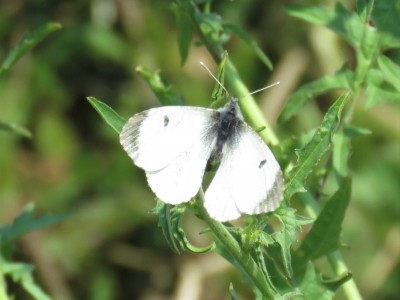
x: 166, y: 121
x: 262, y: 163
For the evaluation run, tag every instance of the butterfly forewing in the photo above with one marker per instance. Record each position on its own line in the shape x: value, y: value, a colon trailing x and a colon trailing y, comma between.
x: 156, y: 137
x: 172, y: 144
x: 248, y: 180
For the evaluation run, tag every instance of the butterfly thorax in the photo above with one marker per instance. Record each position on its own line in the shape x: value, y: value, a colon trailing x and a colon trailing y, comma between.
x: 227, y: 122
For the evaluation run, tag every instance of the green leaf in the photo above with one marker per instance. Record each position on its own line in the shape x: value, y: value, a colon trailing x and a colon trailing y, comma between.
x: 170, y: 224
x: 324, y: 236
x: 290, y: 295
x: 385, y: 15
x: 219, y: 94
x: 390, y: 71
x: 312, y: 286
x: 24, y: 223
x: 211, y: 26
x: 27, y: 42
x: 334, y: 284
x: 377, y: 95
x: 345, y: 23
x: 342, y: 148
x: 312, y: 152
x: 107, y: 43
x: 341, y: 153
x: 22, y: 273
x: 355, y: 131
x: 378, y: 89
x: 109, y: 115
x: 165, y: 93
x: 165, y: 223
x: 184, y: 27
x: 291, y: 224
x: 15, y: 128
x: 250, y: 42
x: 340, y: 80
x: 364, y: 9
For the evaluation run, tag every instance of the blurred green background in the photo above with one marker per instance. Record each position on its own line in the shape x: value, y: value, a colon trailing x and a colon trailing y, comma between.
x: 111, y: 247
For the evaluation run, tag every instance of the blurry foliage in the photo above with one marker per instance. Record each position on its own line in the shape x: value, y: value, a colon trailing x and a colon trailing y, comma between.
x: 111, y: 247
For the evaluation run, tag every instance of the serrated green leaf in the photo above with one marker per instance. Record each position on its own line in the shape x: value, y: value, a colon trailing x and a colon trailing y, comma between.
x: 15, y: 128
x: 390, y: 70
x: 24, y: 223
x: 165, y: 93
x: 291, y: 224
x: 310, y: 154
x: 324, y: 236
x: 109, y: 115
x: 27, y: 42
x: 250, y: 42
x: 345, y: 23
x: 341, y: 80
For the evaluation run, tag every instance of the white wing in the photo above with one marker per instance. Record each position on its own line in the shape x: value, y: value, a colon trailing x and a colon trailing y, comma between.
x: 171, y: 144
x: 181, y: 179
x: 248, y: 180
x: 156, y: 137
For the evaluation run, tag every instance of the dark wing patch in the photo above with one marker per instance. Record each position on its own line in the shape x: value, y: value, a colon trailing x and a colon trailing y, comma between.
x: 166, y: 121
x: 262, y: 163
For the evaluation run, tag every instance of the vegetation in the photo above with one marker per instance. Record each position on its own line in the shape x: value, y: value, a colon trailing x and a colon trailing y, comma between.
x: 77, y: 219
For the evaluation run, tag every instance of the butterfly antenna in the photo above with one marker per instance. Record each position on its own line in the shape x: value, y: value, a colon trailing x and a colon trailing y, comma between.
x: 264, y: 88
x: 212, y: 75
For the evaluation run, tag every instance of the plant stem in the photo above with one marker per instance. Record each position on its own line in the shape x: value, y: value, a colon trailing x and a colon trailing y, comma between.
x: 337, y: 263
x: 248, y: 105
x: 3, y: 294
x: 230, y: 244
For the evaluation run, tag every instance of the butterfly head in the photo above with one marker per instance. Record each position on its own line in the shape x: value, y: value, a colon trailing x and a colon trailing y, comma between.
x: 232, y: 109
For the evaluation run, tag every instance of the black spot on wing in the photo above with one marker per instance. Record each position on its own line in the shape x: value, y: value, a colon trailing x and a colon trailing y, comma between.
x: 262, y: 163
x: 166, y: 121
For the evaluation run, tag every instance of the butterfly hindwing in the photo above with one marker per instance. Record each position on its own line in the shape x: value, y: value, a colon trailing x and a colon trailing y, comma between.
x: 181, y: 179
x: 248, y: 180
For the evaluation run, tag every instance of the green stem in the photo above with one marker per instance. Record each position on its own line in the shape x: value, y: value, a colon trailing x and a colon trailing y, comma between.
x: 337, y: 263
x: 249, y: 106
x: 3, y: 293
x: 242, y: 258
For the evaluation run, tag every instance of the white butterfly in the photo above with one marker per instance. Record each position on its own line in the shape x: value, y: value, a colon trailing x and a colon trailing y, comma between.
x: 174, y: 145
